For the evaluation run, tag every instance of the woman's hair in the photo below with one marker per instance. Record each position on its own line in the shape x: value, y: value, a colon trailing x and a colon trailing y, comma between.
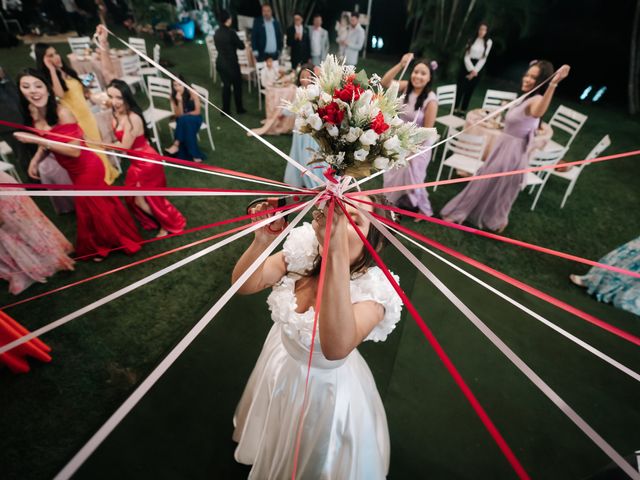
x: 186, y: 95
x: 224, y: 16
x: 473, y: 39
x: 303, y: 67
x: 40, y: 51
x: 130, y: 102
x: 546, y: 70
x: 51, y: 111
x: 374, y: 237
x: 427, y: 88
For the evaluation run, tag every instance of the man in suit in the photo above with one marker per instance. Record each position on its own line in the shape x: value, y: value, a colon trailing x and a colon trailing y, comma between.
x: 355, y: 40
x: 319, y: 39
x: 227, y: 42
x: 266, y: 35
x: 298, y: 42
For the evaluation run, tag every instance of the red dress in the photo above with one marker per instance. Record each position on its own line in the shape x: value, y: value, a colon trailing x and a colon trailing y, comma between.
x: 11, y: 330
x: 147, y: 174
x: 103, y: 222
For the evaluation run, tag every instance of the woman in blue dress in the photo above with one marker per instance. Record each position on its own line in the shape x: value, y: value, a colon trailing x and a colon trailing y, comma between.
x: 186, y: 108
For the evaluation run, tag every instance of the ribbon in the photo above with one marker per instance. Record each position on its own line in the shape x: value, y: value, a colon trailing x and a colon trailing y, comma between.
x: 500, y: 238
x: 94, y: 442
x: 507, y: 352
x: 453, y: 371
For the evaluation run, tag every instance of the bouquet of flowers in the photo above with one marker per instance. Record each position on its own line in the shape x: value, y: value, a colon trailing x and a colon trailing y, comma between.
x: 355, y: 121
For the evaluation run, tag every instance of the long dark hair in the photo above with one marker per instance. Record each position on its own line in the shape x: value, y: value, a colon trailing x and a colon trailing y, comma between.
x: 40, y: 50
x: 473, y: 39
x: 186, y: 95
x: 374, y: 237
x: 546, y: 70
x: 427, y: 88
x: 51, y: 111
x: 130, y: 102
x: 306, y: 66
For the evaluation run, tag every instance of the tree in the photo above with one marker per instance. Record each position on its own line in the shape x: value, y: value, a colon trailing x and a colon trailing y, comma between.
x: 284, y: 9
x: 634, y: 64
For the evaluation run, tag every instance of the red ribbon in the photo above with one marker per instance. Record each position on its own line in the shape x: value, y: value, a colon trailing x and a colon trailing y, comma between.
x: 453, y: 371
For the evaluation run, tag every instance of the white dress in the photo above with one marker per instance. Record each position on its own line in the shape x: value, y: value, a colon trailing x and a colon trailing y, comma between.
x: 344, y: 434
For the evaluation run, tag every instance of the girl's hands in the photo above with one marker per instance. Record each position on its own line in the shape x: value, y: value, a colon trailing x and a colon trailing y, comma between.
x: 265, y: 234
x: 33, y: 169
x: 339, y: 225
x: 406, y: 58
x: 561, y: 74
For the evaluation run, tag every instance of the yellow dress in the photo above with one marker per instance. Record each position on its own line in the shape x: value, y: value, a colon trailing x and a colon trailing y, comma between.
x: 74, y: 100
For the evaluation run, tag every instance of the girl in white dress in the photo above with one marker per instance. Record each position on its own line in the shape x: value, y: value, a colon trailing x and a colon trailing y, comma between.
x: 344, y: 429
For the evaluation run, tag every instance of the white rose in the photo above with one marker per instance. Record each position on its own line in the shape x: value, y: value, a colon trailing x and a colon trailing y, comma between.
x: 332, y: 130
x: 392, y: 144
x: 381, y: 163
x: 360, y: 155
x: 368, y: 138
x: 315, y: 121
x: 313, y: 91
x: 354, y: 133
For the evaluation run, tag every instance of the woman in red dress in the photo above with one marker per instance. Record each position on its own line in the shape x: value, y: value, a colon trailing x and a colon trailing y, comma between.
x: 103, y: 222
x: 132, y: 133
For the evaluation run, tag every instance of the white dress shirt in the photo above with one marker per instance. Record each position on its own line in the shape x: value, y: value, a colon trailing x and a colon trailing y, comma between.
x: 477, y: 54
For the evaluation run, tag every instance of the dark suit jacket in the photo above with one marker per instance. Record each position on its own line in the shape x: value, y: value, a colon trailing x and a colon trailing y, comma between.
x: 259, y: 37
x: 300, y: 49
x: 227, y: 42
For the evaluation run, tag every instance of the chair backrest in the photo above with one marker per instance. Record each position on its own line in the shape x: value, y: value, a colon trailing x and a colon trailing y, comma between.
x: 494, y: 99
x: 446, y: 95
x: 156, y: 53
x: 260, y: 66
x: 471, y: 146
x: 596, y: 151
x: 78, y: 45
x: 540, y: 158
x: 243, y: 58
x: 139, y: 44
x: 158, y: 88
x: 242, y: 35
x: 204, y: 104
x: 130, y: 65
x: 569, y: 121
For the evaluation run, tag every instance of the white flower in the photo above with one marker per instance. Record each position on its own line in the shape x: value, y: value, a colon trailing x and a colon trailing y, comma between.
x: 332, y: 130
x: 360, y: 155
x: 354, y: 133
x: 375, y: 79
x: 325, y: 97
x: 299, y: 123
x: 396, y: 121
x: 392, y: 144
x: 368, y: 138
x: 381, y: 163
x: 306, y: 110
x: 336, y: 160
x: 315, y: 121
x: 313, y: 91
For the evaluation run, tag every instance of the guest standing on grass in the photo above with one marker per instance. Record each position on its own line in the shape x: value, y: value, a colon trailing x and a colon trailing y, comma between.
x: 354, y: 41
x: 227, y: 42
x: 186, y: 108
x: 475, y: 56
x: 622, y: 291
x: 319, y: 40
x: 266, y: 35
x: 487, y: 203
x: 420, y: 108
x: 298, y: 42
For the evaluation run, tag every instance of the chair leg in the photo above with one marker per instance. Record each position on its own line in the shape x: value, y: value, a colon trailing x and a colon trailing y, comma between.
x: 566, y: 194
x: 435, y: 187
x: 535, y: 200
x: 156, y: 138
x: 213, y: 147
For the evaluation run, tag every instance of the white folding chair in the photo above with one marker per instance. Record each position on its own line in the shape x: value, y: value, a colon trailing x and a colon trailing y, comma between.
x: 570, y: 122
x: 79, y: 45
x: 10, y: 21
x: 466, y: 154
x: 213, y: 55
x: 132, y: 72
x: 446, y: 95
x: 242, y: 35
x: 158, y: 88
x: 540, y: 158
x: 5, y: 164
x: 261, y: 89
x: 204, y: 111
x: 573, y: 173
x: 149, y: 70
x: 245, y: 67
x: 495, y: 99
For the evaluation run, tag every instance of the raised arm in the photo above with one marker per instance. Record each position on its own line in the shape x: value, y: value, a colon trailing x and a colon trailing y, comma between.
x: 108, y: 70
x: 538, y: 107
x: 272, y: 269
x: 393, y: 72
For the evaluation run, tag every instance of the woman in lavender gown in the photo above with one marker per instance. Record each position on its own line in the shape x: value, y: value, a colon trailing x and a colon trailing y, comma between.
x: 420, y: 107
x: 487, y: 203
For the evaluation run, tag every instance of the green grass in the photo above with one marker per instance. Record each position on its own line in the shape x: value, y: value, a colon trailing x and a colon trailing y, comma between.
x: 182, y: 428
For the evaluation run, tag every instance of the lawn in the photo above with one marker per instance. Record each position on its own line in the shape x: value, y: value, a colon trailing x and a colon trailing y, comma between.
x: 182, y: 428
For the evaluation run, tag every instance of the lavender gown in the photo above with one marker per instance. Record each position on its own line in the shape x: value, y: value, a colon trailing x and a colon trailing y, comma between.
x: 487, y: 203
x: 416, y: 171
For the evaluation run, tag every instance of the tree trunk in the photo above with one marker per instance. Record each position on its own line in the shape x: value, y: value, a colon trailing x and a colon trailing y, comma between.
x: 634, y: 61
x: 452, y: 15
x: 472, y: 4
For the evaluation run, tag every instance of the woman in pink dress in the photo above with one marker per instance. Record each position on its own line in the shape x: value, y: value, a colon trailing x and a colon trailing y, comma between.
x: 31, y: 247
x: 132, y: 133
x: 420, y: 108
x: 104, y: 223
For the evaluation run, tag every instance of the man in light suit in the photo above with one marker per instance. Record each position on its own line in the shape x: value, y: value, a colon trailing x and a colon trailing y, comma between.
x: 355, y: 40
x: 319, y: 40
x: 266, y: 35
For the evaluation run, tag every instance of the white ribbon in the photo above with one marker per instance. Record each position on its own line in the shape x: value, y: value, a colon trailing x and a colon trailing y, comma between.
x: 510, y: 354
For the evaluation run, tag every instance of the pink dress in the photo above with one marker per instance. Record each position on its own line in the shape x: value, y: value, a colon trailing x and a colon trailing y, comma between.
x: 147, y: 174
x: 31, y: 247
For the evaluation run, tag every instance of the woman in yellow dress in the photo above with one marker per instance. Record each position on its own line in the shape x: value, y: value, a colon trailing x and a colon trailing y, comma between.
x: 69, y: 89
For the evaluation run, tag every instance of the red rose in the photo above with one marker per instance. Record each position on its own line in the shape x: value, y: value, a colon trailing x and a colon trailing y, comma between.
x: 331, y: 113
x: 378, y: 124
x: 348, y: 92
